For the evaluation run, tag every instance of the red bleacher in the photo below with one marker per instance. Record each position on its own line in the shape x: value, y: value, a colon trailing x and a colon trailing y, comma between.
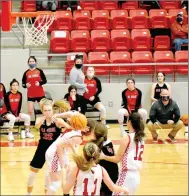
x: 181, y: 56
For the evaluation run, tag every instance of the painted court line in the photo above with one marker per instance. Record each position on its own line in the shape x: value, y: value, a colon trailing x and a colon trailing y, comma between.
x: 116, y: 142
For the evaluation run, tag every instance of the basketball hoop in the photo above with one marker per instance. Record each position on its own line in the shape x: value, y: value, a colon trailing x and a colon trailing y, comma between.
x: 36, y: 33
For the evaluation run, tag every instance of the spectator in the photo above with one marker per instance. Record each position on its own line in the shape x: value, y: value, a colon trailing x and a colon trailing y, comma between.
x: 165, y: 114
x: 91, y: 97
x: 74, y: 99
x: 77, y: 76
x: 131, y: 102
x: 50, y: 5
x: 70, y: 5
x: 2, y: 96
x: 33, y: 79
x: 13, y: 102
x: 180, y: 32
x: 159, y: 86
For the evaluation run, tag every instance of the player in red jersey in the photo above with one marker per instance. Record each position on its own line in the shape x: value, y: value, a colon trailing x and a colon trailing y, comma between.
x: 86, y: 177
x: 130, y: 154
x: 33, y: 79
x: 13, y: 101
x: 94, y: 87
x: 131, y: 102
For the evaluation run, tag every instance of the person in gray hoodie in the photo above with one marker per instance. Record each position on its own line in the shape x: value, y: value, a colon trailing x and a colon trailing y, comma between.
x: 165, y: 114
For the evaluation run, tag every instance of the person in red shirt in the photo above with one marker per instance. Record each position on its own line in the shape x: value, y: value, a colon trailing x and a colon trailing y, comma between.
x: 91, y: 97
x: 131, y: 102
x: 3, y: 108
x: 13, y: 101
x: 33, y: 79
x: 74, y: 99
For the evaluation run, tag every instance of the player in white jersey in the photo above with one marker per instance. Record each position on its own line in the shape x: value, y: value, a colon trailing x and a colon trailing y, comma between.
x: 87, y: 176
x: 56, y: 156
x: 130, y: 154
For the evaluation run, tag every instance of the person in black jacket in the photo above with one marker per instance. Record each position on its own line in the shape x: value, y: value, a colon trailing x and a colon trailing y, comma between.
x: 91, y: 97
x: 70, y: 5
x: 106, y: 146
x: 75, y: 100
x: 131, y: 102
x: 165, y: 114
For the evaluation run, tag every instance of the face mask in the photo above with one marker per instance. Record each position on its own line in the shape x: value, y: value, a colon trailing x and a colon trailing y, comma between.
x: 78, y: 66
x: 164, y: 98
x: 179, y: 20
x: 32, y: 65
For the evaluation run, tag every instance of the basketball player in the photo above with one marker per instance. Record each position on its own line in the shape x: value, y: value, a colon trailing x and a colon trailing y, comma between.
x: 33, y: 79
x: 13, y: 102
x: 56, y: 155
x: 159, y: 86
x: 131, y: 102
x: 105, y: 145
x: 91, y: 97
x: 130, y: 154
x: 87, y: 175
x: 50, y: 129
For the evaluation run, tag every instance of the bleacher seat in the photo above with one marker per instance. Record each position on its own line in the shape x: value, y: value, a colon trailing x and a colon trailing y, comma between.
x: 139, y: 19
x: 162, y: 57
x: 80, y: 41
x: 120, y: 57
x: 60, y: 41
x: 99, y: 58
x: 63, y: 20
x: 108, y: 5
x: 89, y: 5
x: 162, y: 42
x: 181, y: 56
x: 170, y: 4
x: 70, y: 62
x: 100, y: 40
x: 143, y: 57
x: 120, y: 39
x: 158, y: 18
x: 130, y: 5
x: 119, y: 19
x: 28, y: 6
x: 82, y: 19
x: 141, y: 39
x: 100, y: 19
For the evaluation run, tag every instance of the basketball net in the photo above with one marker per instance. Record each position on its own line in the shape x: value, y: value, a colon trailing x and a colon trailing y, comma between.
x: 36, y: 33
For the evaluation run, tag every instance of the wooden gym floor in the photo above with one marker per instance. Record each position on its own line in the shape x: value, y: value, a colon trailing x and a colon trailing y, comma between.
x: 164, y: 172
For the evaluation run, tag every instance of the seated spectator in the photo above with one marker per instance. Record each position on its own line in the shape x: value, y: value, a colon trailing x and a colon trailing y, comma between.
x: 165, y: 114
x: 159, y: 86
x: 131, y: 102
x: 13, y: 101
x: 70, y: 5
x: 50, y: 5
x: 180, y: 32
x: 91, y: 97
x: 74, y: 99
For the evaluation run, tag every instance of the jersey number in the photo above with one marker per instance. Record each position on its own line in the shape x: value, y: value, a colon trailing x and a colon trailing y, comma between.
x: 139, y: 151
x: 85, y: 192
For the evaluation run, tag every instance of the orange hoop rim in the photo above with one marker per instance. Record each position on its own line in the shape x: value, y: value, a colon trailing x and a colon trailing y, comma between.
x: 31, y: 14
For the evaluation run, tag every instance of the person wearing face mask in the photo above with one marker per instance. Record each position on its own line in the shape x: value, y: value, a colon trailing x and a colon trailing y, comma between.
x: 165, y: 114
x: 77, y: 76
x: 159, y: 86
x: 92, y: 96
x: 180, y: 31
x: 74, y: 99
x: 33, y: 79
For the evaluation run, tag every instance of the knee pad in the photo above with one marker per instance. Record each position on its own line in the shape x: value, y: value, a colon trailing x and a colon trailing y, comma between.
x: 31, y: 178
x: 55, y: 186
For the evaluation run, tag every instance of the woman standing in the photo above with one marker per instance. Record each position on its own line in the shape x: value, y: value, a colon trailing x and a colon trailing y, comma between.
x: 13, y: 102
x: 50, y: 129
x: 159, y: 86
x: 86, y: 177
x: 130, y: 154
x: 33, y: 79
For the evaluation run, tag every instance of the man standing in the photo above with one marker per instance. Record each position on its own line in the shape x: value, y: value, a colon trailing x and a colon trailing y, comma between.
x: 165, y: 114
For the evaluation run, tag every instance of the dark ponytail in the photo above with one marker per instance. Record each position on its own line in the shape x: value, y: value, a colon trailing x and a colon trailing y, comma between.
x: 138, y: 126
